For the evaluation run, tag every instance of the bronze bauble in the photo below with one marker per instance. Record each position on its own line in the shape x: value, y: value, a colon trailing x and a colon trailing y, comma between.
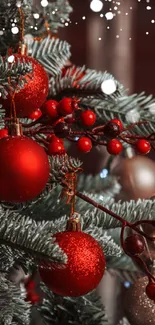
x: 136, y: 175
x: 139, y: 309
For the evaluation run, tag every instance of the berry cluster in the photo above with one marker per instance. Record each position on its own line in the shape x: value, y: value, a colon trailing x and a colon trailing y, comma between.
x: 31, y: 295
x: 61, y: 116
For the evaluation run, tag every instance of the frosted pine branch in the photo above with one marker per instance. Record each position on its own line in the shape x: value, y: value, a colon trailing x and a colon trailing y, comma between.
x: 84, y: 82
x: 86, y: 310
x: 13, y: 308
x: 51, y: 53
x: 56, y: 13
x: 33, y: 239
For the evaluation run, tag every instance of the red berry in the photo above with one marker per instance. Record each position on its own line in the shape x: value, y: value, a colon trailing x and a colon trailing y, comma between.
x: 35, y: 115
x: 56, y: 148
x: 150, y: 290
x: 50, y: 108
x: 3, y: 133
x: 84, y: 144
x: 143, y: 146
x: 134, y: 244
x: 52, y: 137
x: 118, y: 122
x: 66, y: 106
x: 88, y: 118
x: 114, y: 147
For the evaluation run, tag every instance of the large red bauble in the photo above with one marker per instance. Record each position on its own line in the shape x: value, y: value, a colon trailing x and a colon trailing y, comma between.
x: 24, y: 169
x: 84, y: 269
x: 34, y: 93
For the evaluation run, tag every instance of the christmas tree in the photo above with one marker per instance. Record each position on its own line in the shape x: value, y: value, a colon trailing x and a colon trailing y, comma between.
x: 58, y: 224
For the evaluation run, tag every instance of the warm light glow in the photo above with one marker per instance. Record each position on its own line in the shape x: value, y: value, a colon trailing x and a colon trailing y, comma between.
x: 108, y: 86
x: 96, y: 5
x: 11, y: 58
x: 109, y: 15
x: 15, y: 30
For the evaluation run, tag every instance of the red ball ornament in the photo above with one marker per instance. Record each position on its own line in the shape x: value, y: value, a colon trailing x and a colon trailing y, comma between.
x: 142, y: 146
x: 50, y: 108
x: 150, y: 290
x: 24, y: 169
x: 3, y: 133
x: 88, y: 118
x: 134, y: 244
x: 56, y: 147
x: 35, y: 115
x: 114, y: 147
x: 35, y: 90
x: 84, y: 144
x: 66, y: 106
x: 84, y: 269
x: 118, y: 122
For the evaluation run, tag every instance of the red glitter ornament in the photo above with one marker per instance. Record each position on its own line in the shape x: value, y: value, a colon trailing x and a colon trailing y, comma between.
x: 142, y: 146
x: 88, y: 118
x: 3, y: 133
x: 84, y: 144
x: 35, y: 115
x: 24, y: 169
x: 114, y: 147
x: 84, y: 269
x: 34, y: 93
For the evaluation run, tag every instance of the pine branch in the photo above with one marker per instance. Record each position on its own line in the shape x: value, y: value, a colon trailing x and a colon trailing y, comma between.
x: 51, y: 53
x: 60, y: 165
x: 131, y: 211
x: 13, y: 308
x: 56, y: 13
x: 128, y: 109
x: 33, y: 239
x: 86, y: 310
x: 16, y: 71
x: 84, y: 83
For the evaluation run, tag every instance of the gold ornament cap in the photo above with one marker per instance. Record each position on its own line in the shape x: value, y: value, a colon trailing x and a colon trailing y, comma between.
x: 73, y: 223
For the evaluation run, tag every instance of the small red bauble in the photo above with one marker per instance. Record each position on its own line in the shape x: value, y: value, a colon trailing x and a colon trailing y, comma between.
x: 32, y: 297
x: 88, y: 118
x: 30, y: 285
x: 35, y: 115
x: 150, y: 290
x: 3, y: 133
x: 35, y: 90
x: 84, y: 144
x: 134, y: 244
x: 24, y: 169
x: 56, y: 147
x: 52, y: 137
x: 66, y: 106
x: 50, y: 108
x: 118, y: 122
x: 143, y: 146
x: 84, y: 269
x: 114, y: 147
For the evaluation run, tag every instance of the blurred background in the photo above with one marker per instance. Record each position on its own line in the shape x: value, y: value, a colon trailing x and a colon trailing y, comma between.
x: 119, y: 39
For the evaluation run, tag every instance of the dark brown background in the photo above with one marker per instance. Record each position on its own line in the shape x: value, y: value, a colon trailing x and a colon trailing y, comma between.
x: 132, y: 62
